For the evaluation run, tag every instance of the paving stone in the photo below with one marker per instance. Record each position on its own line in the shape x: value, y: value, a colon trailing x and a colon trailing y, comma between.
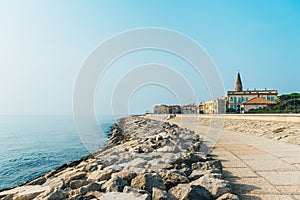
x: 233, y: 164
x: 265, y: 197
x: 269, y: 165
x: 282, y: 178
x: 257, y: 157
x: 292, y: 160
x: 289, y: 189
x: 239, y: 172
x: 252, y: 186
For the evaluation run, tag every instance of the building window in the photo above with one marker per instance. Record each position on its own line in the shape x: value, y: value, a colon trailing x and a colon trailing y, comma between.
x: 246, y: 98
x: 272, y: 99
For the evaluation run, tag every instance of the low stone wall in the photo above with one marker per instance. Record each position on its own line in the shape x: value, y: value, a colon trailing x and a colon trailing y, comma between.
x: 143, y: 159
x: 282, y: 127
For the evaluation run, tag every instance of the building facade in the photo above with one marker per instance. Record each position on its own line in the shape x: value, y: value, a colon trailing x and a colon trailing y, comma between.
x: 238, y: 97
x: 161, y: 109
x: 174, y: 109
x: 256, y: 103
x: 190, y: 109
x: 216, y: 106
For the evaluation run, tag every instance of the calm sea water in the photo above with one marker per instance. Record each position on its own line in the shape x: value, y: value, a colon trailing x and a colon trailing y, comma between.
x: 33, y: 145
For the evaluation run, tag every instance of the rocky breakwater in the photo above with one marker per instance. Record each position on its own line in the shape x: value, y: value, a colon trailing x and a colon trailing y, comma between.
x: 143, y: 159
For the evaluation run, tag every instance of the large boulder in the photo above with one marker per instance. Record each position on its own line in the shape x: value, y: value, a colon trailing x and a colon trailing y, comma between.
x: 127, y: 176
x: 74, y: 175
x: 216, y: 187
x: 115, y: 184
x: 56, y: 182
x: 189, y: 192
x: 158, y: 194
x: 128, y: 189
x: 100, y: 175
x: 74, y: 184
x: 27, y: 192
x: 57, y: 194
x: 147, y: 182
x: 173, y: 178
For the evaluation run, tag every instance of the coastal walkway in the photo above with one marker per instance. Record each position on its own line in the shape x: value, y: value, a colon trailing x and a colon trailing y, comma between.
x: 258, y: 168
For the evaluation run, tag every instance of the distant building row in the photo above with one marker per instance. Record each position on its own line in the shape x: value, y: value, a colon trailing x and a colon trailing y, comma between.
x: 176, y: 109
x: 238, y: 101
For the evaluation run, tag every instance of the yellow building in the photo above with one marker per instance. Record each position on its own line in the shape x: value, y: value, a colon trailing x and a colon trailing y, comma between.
x: 216, y: 106
x: 238, y: 97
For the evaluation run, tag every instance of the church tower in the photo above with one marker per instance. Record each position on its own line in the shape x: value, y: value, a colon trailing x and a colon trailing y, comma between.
x: 238, y: 83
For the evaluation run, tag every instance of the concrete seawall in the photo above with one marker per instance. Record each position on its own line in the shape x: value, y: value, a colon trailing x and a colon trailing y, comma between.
x: 262, y: 117
x: 283, y: 127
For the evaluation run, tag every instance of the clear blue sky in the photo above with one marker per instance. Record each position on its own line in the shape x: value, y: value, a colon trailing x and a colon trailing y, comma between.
x: 43, y: 44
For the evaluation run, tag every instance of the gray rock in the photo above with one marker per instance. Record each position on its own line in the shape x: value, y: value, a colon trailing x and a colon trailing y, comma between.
x: 91, y: 167
x: 93, y: 187
x: 57, y: 194
x: 127, y: 176
x: 190, y: 158
x: 179, y: 191
x: 128, y: 189
x: 147, y: 182
x: 115, y: 184
x: 74, y: 184
x: 24, y: 193
x: 83, y: 190
x: 196, y: 174
x: 55, y: 182
x: 73, y: 175
x: 100, y: 175
x: 173, y: 178
x: 216, y: 187
x: 214, y: 165
x: 158, y: 194
x: 197, y: 192
x: 189, y: 192
x: 78, y: 197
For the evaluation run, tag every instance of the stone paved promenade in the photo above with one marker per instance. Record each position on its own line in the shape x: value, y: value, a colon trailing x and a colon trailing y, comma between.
x: 258, y: 168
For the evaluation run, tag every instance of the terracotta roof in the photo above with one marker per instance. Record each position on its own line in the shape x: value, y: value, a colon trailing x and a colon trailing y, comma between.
x: 259, y: 101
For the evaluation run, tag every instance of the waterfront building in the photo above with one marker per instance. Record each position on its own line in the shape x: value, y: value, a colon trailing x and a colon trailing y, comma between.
x: 256, y: 103
x: 190, y: 109
x: 161, y: 109
x: 238, y: 97
x: 216, y: 106
x: 174, y: 109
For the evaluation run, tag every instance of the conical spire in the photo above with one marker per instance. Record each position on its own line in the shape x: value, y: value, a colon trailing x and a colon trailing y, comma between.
x: 238, y: 83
